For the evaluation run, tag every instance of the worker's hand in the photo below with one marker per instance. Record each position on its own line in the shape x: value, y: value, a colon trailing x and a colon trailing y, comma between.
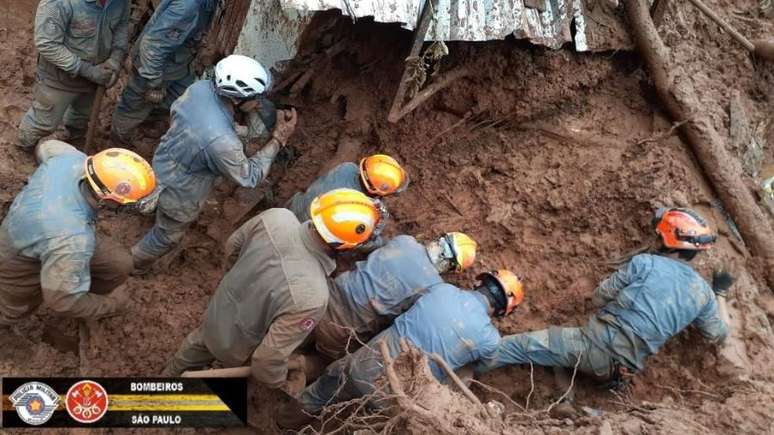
x: 155, y: 95
x: 100, y: 74
x: 721, y: 282
x: 286, y: 125
x: 118, y: 301
x: 295, y: 383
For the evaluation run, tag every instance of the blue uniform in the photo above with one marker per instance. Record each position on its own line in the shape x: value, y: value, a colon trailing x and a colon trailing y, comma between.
x: 448, y: 321
x: 344, y: 175
x: 67, y: 33
x: 366, y: 299
x: 47, y: 245
x: 200, y: 146
x: 162, y: 58
x: 645, y: 303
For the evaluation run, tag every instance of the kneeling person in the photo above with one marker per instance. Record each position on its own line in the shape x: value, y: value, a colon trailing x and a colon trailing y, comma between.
x: 276, y: 292
x: 49, y: 250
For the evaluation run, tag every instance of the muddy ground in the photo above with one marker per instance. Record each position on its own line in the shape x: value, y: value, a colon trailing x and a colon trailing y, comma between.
x: 551, y: 160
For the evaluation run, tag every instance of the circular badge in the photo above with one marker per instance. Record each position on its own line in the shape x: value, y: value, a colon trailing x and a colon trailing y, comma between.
x: 123, y: 188
x: 86, y: 401
x: 35, y: 402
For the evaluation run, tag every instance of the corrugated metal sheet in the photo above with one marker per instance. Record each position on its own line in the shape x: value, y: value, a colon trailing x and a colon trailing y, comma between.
x: 469, y: 20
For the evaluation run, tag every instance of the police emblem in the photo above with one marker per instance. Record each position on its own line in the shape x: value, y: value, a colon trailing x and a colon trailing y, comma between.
x: 35, y: 402
x: 86, y: 401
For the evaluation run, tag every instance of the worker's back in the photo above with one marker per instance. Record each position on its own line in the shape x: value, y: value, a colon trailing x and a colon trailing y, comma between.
x: 51, y: 206
x: 661, y: 297
x: 344, y: 175
x: 452, y: 323
x: 274, y: 275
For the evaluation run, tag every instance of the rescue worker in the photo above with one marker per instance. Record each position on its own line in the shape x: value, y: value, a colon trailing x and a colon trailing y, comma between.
x: 276, y: 291
x: 49, y: 252
x: 377, y: 175
x: 451, y: 322
x: 161, y: 63
x: 365, y: 300
x: 201, y: 145
x: 81, y: 45
x: 643, y: 304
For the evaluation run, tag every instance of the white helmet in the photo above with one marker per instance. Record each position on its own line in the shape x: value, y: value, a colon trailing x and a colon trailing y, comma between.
x: 241, y: 77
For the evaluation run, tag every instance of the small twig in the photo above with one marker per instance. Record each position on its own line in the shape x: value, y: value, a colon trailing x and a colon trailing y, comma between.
x: 531, y: 384
x: 662, y: 136
x: 456, y: 379
x: 569, y: 389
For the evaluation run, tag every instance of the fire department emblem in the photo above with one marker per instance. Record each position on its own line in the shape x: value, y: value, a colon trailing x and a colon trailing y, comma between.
x: 86, y: 401
x: 35, y: 402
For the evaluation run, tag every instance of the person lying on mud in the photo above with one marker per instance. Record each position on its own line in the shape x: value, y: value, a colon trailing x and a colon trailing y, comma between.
x: 454, y: 323
x: 646, y: 302
x: 49, y: 251
x: 271, y: 299
x: 81, y: 45
x: 201, y: 145
x: 366, y: 299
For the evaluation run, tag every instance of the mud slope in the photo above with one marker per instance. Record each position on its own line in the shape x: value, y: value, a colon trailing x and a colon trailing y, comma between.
x: 547, y: 158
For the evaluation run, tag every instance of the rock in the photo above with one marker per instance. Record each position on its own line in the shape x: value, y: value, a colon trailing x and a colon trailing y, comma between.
x: 631, y: 427
x: 605, y: 428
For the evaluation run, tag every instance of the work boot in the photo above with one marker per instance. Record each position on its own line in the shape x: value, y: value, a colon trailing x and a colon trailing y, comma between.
x: 143, y: 263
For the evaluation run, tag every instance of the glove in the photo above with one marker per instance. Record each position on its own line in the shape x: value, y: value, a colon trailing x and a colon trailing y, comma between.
x: 155, y: 95
x: 286, y: 124
x: 100, y: 74
x: 721, y: 282
x: 147, y: 206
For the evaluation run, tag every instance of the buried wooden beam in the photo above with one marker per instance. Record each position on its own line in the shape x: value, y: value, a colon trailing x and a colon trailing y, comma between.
x: 723, y: 170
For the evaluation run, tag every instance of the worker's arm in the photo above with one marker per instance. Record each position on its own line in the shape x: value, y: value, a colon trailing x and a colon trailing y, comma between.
x: 269, y: 362
x: 51, y: 22
x: 65, y: 280
x: 609, y: 288
x: 713, y: 320
x: 52, y: 148
x: 165, y: 36
x: 229, y: 159
x: 120, y: 39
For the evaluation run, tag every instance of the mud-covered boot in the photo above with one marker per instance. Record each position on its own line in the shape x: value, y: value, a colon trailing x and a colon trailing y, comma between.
x: 143, y: 263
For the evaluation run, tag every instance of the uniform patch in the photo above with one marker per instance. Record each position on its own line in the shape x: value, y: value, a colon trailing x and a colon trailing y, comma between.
x: 86, y: 401
x: 307, y: 324
x: 123, y: 188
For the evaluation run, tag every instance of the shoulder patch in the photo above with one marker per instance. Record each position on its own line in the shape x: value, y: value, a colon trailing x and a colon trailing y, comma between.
x: 307, y: 324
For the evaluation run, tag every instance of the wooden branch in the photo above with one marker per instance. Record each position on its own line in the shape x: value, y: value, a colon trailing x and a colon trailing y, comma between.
x: 722, y: 23
x: 456, y: 379
x: 722, y: 169
x: 440, y: 83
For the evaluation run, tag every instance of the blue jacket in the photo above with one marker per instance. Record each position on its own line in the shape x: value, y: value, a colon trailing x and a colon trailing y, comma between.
x: 201, y: 145
x: 648, y: 301
x: 50, y: 220
x: 68, y: 32
x: 345, y: 175
x: 169, y: 41
x: 452, y: 323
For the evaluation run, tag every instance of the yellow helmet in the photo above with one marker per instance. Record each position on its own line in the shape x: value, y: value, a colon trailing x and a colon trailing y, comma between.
x: 382, y: 175
x: 462, y: 249
x: 510, y: 287
x: 345, y: 218
x: 119, y: 175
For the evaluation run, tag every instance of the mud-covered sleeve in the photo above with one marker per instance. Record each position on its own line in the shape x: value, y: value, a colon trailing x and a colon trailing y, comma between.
x: 488, y: 344
x: 609, y: 288
x: 236, y: 240
x: 229, y: 159
x: 52, y: 148
x: 269, y: 362
x: 65, y: 280
x: 710, y: 324
x: 167, y: 34
x: 51, y: 22
x: 121, y: 37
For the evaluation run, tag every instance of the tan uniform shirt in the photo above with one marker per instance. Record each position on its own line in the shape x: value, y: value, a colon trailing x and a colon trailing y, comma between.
x: 272, y: 298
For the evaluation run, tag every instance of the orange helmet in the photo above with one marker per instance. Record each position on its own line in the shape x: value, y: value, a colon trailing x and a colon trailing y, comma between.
x: 345, y: 218
x: 119, y: 175
x: 382, y: 175
x: 510, y: 288
x: 682, y: 228
x: 461, y: 248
